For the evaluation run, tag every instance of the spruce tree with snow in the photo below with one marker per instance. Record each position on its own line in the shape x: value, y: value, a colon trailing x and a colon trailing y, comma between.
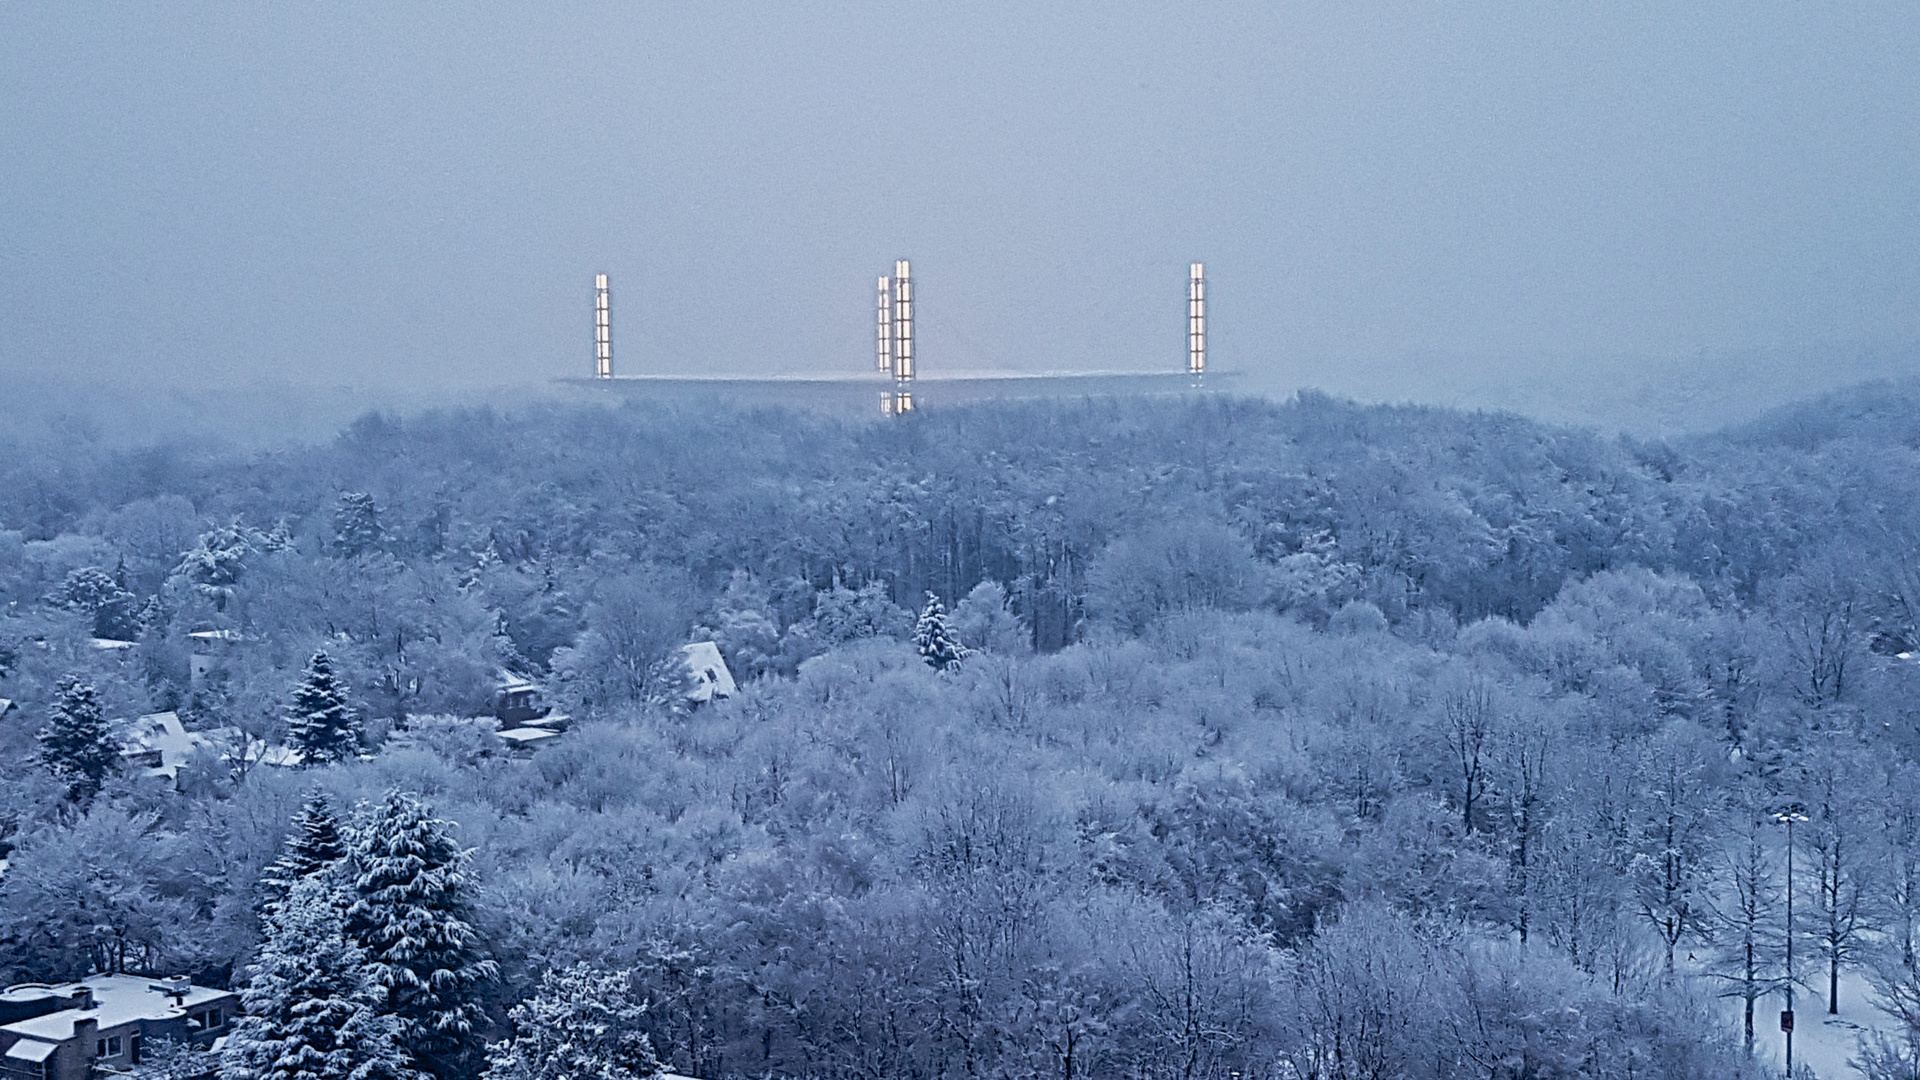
x: 75, y: 745
x: 356, y: 524
x: 312, y: 1010
x: 935, y: 638
x: 312, y: 848
x: 320, y: 722
x: 410, y: 912
x: 583, y: 1024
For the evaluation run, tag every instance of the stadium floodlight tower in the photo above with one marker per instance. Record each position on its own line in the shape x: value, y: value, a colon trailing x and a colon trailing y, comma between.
x: 1197, y: 320
x: 902, y: 337
x: 883, y: 346
x: 602, y: 330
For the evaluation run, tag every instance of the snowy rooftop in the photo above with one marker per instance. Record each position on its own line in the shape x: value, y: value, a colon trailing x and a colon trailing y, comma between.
x: 32, y: 1050
x: 516, y: 684
x: 160, y: 732
x: 163, y: 733
x: 118, y: 1000
x: 527, y: 736
x: 710, y: 675
x: 284, y: 757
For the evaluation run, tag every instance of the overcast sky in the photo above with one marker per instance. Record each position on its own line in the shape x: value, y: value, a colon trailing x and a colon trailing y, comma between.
x: 381, y: 193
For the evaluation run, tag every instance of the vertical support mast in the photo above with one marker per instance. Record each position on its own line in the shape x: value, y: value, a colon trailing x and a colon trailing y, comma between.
x: 1197, y: 319
x: 902, y: 321
x: 884, y: 342
x: 602, y: 330
x: 893, y: 327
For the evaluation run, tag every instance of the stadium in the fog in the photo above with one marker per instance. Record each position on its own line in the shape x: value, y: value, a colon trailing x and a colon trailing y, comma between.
x: 897, y: 384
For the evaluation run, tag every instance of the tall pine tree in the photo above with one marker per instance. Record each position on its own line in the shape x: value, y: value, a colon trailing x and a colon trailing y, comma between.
x: 411, y: 914
x: 314, y: 847
x: 312, y: 1011
x: 320, y: 722
x: 75, y: 744
x: 934, y: 636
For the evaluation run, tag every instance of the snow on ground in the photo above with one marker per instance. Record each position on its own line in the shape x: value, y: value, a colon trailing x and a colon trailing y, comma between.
x: 1823, y: 1042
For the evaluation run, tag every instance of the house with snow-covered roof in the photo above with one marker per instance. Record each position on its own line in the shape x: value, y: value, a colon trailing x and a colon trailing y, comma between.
x: 157, y: 744
x: 518, y: 699
x: 208, y: 651
x: 99, y: 1025
x: 708, y: 670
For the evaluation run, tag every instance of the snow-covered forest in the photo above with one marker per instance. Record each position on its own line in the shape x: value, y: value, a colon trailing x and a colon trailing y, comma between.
x: 1260, y: 740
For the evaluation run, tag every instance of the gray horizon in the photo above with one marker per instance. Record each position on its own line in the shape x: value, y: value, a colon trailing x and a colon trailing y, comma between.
x: 1393, y: 201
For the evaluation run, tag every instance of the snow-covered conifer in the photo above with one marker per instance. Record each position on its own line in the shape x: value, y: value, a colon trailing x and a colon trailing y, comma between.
x: 410, y: 911
x: 583, y: 1024
x: 75, y: 744
x: 314, y: 846
x: 320, y: 722
x: 312, y: 1011
x: 103, y: 598
x: 356, y: 524
x: 215, y: 564
x: 934, y: 636
x: 86, y: 588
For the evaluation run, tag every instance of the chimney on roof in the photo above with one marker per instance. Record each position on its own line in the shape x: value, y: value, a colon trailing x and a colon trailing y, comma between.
x: 82, y: 998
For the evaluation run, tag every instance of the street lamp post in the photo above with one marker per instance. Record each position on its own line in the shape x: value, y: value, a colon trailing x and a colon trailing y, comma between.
x: 1788, y: 817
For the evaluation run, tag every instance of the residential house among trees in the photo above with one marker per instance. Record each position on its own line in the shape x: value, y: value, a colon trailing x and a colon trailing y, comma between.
x: 709, y: 673
x: 100, y: 1024
x: 527, y: 721
x: 517, y: 700
x: 208, y: 653
x: 158, y: 744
